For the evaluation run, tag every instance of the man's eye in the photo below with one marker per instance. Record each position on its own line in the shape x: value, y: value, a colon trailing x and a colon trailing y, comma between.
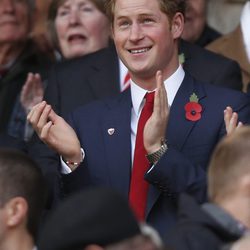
x: 123, y: 24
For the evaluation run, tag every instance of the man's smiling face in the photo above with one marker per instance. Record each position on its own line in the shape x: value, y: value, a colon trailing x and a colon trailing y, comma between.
x: 143, y: 37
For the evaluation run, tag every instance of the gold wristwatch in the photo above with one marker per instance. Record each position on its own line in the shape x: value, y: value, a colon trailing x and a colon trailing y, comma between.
x: 154, y: 157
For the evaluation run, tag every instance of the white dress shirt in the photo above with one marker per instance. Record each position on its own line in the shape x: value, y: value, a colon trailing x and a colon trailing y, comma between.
x: 245, y: 27
x: 172, y: 85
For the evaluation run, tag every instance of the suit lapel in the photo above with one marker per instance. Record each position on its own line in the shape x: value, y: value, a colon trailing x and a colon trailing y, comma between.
x: 117, y: 140
x: 178, y: 126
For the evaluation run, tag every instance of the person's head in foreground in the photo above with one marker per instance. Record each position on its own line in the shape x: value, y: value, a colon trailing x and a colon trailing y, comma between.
x: 22, y: 200
x: 94, y: 219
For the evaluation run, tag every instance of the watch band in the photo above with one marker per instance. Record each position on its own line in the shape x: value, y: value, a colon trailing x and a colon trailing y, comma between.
x: 154, y: 157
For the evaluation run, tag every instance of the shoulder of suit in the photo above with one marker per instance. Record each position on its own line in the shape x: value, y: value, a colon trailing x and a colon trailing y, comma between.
x: 226, y: 94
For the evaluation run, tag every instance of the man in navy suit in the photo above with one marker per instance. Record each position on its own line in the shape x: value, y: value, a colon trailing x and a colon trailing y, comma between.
x: 187, y: 114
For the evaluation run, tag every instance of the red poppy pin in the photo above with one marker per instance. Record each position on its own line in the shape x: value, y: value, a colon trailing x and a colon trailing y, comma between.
x: 193, y: 108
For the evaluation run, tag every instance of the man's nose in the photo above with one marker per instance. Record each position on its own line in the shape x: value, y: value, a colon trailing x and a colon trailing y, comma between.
x: 136, y: 32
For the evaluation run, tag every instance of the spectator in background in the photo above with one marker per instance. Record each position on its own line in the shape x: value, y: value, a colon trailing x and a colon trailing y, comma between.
x: 22, y: 200
x: 76, y: 28
x: 236, y: 45
x: 95, y: 219
x: 196, y: 30
x: 226, y: 217
x: 18, y: 56
x: 56, y: 20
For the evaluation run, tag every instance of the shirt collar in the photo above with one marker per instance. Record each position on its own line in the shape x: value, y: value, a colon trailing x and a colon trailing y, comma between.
x: 123, y: 70
x: 245, y: 27
x: 172, y: 85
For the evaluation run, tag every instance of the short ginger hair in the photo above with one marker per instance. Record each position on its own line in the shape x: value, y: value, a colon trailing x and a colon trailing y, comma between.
x: 229, y: 163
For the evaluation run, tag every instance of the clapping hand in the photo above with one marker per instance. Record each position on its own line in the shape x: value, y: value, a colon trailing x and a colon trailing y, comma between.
x: 55, y: 132
x: 231, y: 120
x: 32, y: 92
x: 155, y: 127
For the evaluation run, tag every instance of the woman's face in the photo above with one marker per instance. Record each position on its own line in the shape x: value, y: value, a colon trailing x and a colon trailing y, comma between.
x: 81, y: 28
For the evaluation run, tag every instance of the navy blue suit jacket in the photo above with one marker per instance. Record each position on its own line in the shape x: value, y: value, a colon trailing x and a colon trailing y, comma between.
x: 181, y: 169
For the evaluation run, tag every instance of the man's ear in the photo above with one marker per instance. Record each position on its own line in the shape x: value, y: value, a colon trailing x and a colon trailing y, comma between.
x: 177, y: 25
x: 16, y: 211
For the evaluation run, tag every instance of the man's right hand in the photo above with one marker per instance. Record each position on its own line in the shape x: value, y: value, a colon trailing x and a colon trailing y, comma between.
x: 55, y: 132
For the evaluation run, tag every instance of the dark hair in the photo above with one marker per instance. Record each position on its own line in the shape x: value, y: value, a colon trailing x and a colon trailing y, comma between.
x: 52, y: 13
x: 169, y: 7
x: 20, y: 176
x: 96, y: 215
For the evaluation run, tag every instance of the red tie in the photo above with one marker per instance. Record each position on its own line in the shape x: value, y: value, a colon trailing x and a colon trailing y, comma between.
x: 138, y: 186
x: 126, y: 82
